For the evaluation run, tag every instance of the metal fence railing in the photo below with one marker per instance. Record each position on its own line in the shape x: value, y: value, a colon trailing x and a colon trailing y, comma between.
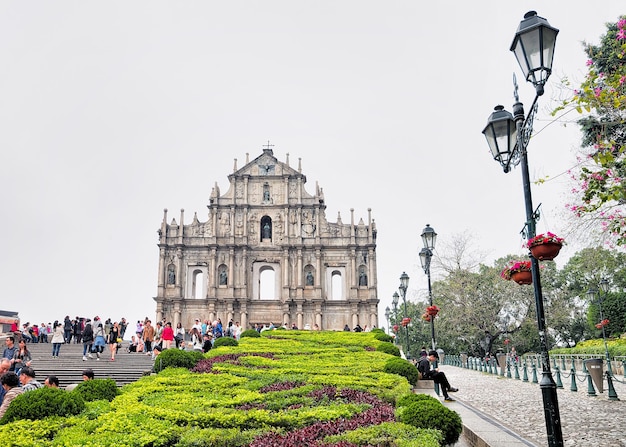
x: 575, y: 368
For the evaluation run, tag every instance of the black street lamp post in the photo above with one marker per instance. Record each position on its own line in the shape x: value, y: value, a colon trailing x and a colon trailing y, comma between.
x: 404, y: 285
x: 508, y: 136
x: 394, y: 302
x: 592, y: 293
x: 429, y: 237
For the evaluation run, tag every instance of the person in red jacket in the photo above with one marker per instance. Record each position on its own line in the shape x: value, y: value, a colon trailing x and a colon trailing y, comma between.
x: 167, y: 335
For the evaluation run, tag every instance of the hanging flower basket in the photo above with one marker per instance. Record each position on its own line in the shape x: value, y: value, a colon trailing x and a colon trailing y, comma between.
x: 432, y: 310
x: 603, y: 323
x: 406, y: 321
x: 396, y: 327
x: 522, y: 278
x: 427, y: 317
x: 545, y: 247
x: 518, y: 271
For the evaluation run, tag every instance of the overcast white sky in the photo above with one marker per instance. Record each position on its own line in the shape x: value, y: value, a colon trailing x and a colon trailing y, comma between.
x: 112, y: 111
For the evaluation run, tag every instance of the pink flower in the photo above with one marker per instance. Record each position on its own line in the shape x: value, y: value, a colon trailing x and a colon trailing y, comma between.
x: 621, y: 23
x: 589, y: 62
x: 621, y: 34
x: 623, y: 78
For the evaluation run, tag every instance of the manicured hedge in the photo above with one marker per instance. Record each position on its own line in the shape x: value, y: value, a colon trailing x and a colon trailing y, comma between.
x: 294, y: 388
x: 41, y: 403
x: 97, y: 389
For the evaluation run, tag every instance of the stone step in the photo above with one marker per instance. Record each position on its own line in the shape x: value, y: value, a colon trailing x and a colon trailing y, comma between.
x: 68, y: 367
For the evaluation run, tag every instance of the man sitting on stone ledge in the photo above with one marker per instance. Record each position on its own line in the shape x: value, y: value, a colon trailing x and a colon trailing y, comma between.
x: 423, y: 366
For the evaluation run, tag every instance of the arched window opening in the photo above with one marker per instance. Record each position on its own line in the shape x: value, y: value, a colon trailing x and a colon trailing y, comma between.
x: 336, y: 291
x: 267, y: 284
x: 266, y: 228
x: 197, y: 285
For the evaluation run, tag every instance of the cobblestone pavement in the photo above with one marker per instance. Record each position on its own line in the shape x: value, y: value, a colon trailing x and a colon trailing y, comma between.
x: 587, y: 421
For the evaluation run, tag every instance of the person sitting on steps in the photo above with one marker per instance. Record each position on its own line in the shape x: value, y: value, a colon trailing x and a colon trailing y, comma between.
x: 424, y: 367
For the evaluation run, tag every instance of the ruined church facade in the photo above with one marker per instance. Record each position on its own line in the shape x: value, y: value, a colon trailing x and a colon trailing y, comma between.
x: 266, y: 253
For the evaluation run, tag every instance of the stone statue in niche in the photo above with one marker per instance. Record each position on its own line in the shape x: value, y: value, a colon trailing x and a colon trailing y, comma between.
x: 223, y: 277
x: 362, y: 279
x: 309, y: 278
x: 267, y: 231
x: 239, y: 223
x: 225, y: 223
x: 171, y: 275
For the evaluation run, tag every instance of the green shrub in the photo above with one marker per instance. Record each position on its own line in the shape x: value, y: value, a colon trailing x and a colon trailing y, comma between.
x: 396, y: 365
x: 217, y: 437
x: 177, y: 358
x: 409, y: 399
x: 250, y: 333
x: 429, y: 414
x: 225, y: 341
x: 97, y: 389
x: 388, y: 434
x: 380, y: 335
x: 389, y: 348
x: 43, y: 402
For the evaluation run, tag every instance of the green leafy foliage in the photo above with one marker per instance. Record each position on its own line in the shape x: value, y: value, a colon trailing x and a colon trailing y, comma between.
x: 389, y: 434
x: 380, y: 335
x: 287, y: 385
x: 402, y: 368
x: 389, y: 348
x: 409, y: 399
x: 217, y: 437
x: 97, y: 389
x: 43, y: 402
x: 225, y: 341
x: 250, y: 333
x: 176, y: 358
x: 429, y: 414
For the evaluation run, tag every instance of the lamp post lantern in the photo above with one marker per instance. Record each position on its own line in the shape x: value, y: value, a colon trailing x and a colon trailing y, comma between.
x: 592, y: 293
x: 394, y: 302
x: 429, y: 237
x: 387, y: 313
x: 508, y: 136
x: 404, y: 285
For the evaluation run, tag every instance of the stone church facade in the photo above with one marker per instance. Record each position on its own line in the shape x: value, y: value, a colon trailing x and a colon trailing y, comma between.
x: 265, y: 253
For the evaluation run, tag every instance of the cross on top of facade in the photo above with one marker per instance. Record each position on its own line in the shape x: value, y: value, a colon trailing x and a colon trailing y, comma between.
x: 268, y: 147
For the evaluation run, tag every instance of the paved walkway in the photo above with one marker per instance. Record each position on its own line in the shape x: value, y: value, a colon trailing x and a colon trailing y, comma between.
x: 502, y: 412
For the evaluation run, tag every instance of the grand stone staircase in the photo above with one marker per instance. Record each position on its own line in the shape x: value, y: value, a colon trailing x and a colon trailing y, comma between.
x: 69, y: 366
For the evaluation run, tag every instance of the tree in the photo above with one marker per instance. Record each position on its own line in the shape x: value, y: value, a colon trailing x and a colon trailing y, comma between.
x: 599, y: 199
x: 479, y: 309
x: 585, y: 270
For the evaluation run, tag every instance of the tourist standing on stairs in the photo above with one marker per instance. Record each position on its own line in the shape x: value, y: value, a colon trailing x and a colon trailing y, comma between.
x: 148, y: 336
x: 179, y: 334
x: 68, y: 329
x: 58, y: 338
x: 87, y: 339
x: 167, y: 336
x: 114, y: 334
x: 100, y: 342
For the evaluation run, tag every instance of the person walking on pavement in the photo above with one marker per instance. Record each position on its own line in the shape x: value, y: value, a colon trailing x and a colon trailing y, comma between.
x: 439, y: 377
